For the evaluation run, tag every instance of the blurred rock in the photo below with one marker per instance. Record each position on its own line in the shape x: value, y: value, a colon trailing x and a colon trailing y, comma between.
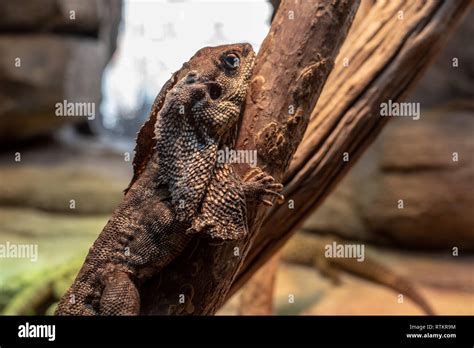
x: 444, y: 82
x: 53, y: 69
x: 36, y: 193
x: 93, y: 18
x: 410, y: 161
x: 48, y: 57
x: 52, y: 189
x: 416, y: 165
x: 48, y: 177
x: 50, y: 15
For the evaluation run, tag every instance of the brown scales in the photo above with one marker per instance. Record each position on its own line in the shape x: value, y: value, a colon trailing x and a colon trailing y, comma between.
x: 178, y: 189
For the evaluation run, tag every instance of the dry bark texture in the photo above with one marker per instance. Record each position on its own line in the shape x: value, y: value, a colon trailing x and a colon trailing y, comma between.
x: 291, y: 69
x: 387, y: 52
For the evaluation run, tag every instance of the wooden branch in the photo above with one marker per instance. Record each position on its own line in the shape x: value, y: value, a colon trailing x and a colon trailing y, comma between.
x: 387, y: 51
x: 291, y: 69
x: 257, y: 294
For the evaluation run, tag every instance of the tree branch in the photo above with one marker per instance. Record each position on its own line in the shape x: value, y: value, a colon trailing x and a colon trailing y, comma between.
x: 387, y: 50
x: 256, y: 297
x: 291, y: 69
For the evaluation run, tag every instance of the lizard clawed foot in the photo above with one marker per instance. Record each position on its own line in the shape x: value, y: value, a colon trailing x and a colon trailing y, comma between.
x: 258, y: 184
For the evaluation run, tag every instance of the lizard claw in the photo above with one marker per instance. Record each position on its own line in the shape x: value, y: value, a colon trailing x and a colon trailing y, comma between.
x: 267, y: 203
x: 280, y: 197
x: 258, y: 184
x: 251, y: 173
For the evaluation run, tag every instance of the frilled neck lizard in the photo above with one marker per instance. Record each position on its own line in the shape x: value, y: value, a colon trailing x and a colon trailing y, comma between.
x: 179, y: 188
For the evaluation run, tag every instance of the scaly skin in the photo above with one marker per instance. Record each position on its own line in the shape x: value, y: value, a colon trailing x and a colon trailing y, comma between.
x: 179, y: 188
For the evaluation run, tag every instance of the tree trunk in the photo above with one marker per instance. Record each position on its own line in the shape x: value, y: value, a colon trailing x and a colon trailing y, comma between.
x: 386, y: 52
x: 291, y: 69
x: 257, y: 295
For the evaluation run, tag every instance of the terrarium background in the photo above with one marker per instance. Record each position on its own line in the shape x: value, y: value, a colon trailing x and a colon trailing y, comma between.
x: 71, y: 158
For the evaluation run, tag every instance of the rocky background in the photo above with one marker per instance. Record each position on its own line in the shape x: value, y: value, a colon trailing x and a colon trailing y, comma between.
x: 52, y: 50
x: 59, y: 186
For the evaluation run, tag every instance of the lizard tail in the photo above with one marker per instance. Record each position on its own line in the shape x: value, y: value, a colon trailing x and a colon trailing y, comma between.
x: 309, y: 249
x: 372, y: 270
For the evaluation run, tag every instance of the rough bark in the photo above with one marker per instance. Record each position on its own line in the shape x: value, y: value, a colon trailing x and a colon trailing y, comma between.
x: 388, y: 50
x: 291, y: 69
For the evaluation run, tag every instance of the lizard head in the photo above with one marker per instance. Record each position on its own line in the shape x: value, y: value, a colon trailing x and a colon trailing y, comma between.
x: 198, y: 107
x: 212, y: 86
x: 225, y: 71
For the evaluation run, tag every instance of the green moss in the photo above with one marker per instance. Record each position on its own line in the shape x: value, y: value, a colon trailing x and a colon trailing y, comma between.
x: 51, y: 309
x: 36, y: 293
x: 58, y: 236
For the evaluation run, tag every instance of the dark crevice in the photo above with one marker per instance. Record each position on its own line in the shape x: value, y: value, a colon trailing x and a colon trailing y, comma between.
x: 418, y: 169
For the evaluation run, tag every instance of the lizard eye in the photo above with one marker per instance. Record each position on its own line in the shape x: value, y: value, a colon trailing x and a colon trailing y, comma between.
x: 232, y: 61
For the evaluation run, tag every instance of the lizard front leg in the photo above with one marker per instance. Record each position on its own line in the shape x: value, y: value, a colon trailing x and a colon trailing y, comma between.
x: 224, y: 211
x: 257, y: 184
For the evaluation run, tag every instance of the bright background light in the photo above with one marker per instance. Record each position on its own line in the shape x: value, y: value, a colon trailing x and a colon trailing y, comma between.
x: 157, y: 37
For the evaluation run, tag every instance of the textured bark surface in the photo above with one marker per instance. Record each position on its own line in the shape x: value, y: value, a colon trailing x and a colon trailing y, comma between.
x: 291, y: 69
x: 387, y: 52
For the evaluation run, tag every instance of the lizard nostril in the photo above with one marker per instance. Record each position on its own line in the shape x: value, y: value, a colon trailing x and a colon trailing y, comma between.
x: 191, y: 78
x: 215, y: 91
